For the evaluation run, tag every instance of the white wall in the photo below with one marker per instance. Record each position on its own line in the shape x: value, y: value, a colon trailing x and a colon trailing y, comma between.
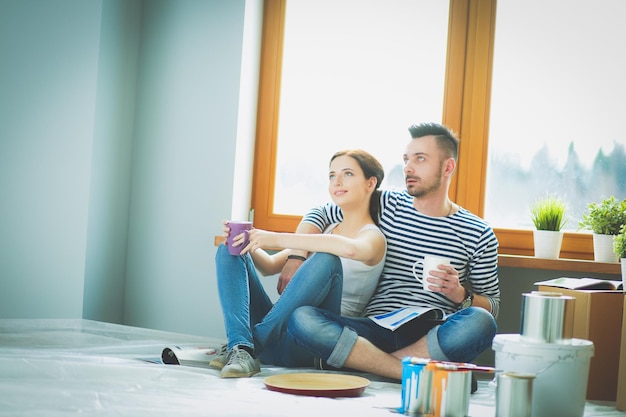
x: 48, y: 80
x: 109, y: 197
x: 120, y: 122
x: 182, y: 183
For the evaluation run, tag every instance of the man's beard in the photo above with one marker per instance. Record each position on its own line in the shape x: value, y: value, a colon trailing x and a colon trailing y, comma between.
x: 420, y: 191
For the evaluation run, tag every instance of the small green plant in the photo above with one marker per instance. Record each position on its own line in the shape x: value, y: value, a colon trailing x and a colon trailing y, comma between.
x: 605, y: 218
x: 619, y: 243
x: 548, y: 213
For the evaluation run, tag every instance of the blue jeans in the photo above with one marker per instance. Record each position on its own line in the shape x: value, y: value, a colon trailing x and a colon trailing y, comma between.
x: 252, y: 320
x: 327, y: 335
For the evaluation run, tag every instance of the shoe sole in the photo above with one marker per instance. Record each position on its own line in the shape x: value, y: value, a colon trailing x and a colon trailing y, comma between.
x: 217, y: 365
x: 239, y: 374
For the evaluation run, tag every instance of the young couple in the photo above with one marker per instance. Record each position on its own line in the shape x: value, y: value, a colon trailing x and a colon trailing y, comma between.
x: 419, y: 221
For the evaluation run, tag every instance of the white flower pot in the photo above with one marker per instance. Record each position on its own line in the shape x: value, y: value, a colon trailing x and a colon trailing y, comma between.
x: 623, y: 261
x: 603, y: 248
x: 547, y: 243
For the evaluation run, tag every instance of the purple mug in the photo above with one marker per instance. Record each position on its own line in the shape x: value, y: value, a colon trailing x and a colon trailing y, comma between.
x: 237, y: 228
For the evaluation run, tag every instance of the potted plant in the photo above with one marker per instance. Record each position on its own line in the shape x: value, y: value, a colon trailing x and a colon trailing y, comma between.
x: 548, y: 216
x: 605, y: 220
x: 619, y: 247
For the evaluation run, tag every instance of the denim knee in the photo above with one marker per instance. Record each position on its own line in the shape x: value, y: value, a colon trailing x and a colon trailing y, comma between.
x: 224, y: 261
x: 464, y: 335
x: 299, y: 323
x: 328, y: 260
x: 222, y: 253
x: 315, y: 330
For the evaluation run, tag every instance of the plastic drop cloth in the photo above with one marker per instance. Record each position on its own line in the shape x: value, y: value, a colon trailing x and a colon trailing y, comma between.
x: 82, y: 367
x: 51, y: 368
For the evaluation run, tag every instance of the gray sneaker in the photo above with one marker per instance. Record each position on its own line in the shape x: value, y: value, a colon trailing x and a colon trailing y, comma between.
x: 221, y: 358
x: 241, y: 365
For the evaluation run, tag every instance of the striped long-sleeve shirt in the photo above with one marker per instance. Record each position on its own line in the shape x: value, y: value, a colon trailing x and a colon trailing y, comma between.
x: 463, y: 237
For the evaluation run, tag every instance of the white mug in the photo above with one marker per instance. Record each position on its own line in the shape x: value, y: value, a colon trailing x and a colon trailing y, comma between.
x: 429, y: 263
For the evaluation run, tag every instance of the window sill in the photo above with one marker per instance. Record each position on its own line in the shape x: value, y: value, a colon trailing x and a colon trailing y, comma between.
x: 577, y: 265
x: 530, y: 262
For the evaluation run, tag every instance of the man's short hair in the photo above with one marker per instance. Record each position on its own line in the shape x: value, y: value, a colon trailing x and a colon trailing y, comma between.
x: 446, y: 139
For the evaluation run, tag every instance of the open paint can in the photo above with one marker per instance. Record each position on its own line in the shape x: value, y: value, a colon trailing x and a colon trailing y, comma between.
x: 547, y: 317
x: 449, y: 391
x: 415, y: 394
x: 514, y: 394
x: 435, y: 389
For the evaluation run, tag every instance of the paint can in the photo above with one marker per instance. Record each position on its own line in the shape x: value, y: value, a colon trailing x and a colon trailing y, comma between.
x: 514, y: 392
x: 450, y: 390
x: 414, y: 401
x: 544, y: 317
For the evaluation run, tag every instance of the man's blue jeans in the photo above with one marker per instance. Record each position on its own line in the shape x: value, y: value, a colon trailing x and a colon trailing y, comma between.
x: 327, y: 335
x: 250, y: 317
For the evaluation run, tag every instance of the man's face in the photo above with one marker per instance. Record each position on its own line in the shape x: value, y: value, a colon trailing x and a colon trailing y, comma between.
x: 423, y: 166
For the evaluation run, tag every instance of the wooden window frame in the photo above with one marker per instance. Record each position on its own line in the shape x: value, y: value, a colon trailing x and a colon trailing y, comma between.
x: 466, y: 108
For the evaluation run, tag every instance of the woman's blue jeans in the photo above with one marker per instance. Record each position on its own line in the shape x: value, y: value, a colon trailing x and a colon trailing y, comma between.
x: 327, y: 335
x: 250, y: 317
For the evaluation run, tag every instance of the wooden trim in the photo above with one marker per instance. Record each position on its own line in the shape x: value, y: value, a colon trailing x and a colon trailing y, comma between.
x: 575, y: 265
x: 520, y: 242
x: 267, y: 116
x: 455, y: 73
x: 475, y: 111
x: 576, y: 248
x: 530, y: 262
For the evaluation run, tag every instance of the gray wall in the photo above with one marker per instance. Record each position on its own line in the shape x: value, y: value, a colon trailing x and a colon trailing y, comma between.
x: 118, y: 128
x: 113, y: 132
x: 48, y: 85
x: 186, y: 128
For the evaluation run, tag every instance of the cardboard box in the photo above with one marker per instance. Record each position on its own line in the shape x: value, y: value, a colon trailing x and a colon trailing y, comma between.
x: 598, y: 317
x: 621, y: 382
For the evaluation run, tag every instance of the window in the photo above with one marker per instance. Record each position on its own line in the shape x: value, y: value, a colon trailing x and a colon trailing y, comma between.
x: 354, y: 80
x: 556, y: 107
x: 399, y: 50
x: 467, y: 106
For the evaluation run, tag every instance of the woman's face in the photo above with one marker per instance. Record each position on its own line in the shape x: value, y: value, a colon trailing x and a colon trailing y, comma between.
x: 347, y: 184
